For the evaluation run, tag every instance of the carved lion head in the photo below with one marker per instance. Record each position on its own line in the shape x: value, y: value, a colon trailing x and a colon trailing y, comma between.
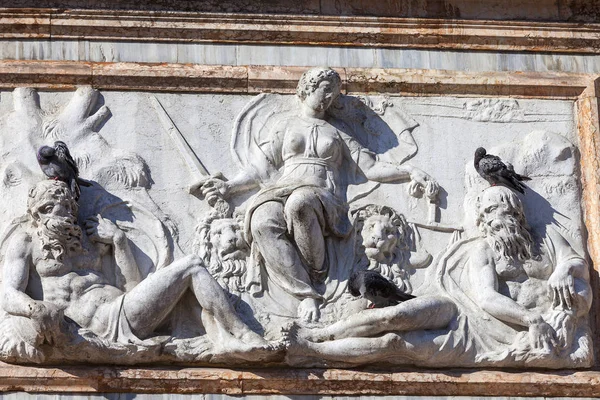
x: 221, y: 245
x: 384, y: 232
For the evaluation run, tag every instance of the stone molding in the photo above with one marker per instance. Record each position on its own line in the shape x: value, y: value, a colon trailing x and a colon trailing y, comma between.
x: 297, y: 382
x: 65, y: 75
x: 582, y: 89
x: 146, y: 26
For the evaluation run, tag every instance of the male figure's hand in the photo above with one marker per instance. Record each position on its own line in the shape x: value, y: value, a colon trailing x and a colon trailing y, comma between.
x: 562, y: 288
x: 102, y: 230
x: 49, y: 317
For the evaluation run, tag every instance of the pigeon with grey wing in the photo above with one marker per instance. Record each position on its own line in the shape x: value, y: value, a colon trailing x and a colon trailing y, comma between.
x: 495, y: 171
x: 56, y: 163
x: 376, y: 288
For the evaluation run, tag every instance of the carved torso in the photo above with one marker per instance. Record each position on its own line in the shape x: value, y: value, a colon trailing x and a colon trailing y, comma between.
x: 528, y: 286
x: 70, y: 285
x: 311, y: 152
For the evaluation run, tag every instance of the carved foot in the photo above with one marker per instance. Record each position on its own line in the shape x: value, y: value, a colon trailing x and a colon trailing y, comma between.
x: 293, y: 337
x: 307, y: 333
x: 252, y: 338
x: 300, y: 351
x: 250, y: 346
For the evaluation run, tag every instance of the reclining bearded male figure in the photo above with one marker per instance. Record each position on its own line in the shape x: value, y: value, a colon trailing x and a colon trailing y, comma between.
x: 52, y: 270
x: 532, y: 280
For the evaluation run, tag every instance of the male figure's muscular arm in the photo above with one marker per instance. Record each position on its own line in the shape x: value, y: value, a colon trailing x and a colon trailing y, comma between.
x: 18, y: 261
x: 16, y: 276
x: 569, y: 282
x: 482, y: 273
x: 102, y: 230
x: 129, y: 275
x: 483, y: 276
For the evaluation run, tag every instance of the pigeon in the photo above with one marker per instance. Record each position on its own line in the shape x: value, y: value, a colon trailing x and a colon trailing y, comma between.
x: 492, y: 169
x: 56, y: 163
x: 377, y: 289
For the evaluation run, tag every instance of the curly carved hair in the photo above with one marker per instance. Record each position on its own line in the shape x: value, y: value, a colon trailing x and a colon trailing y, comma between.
x: 311, y: 79
x: 47, y: 190
x: 502, y: 195
x: 59, y: 235
x: 514, y: 240
x: 395, y: 267
x: 230, y: 272
x: 398, y: 220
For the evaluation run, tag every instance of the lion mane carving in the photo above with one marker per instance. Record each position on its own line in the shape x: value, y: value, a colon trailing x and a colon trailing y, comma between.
x: 387, y: 243
x: 221, y: 244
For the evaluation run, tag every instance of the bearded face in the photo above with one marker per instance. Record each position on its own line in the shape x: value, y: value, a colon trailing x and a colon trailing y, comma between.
x: 59, y: 236
x: 502, y: 222
x: 53, y: 212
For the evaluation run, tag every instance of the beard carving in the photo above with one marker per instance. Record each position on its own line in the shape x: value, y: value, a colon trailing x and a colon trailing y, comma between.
x: 509, y: 238
x: 59, y: 236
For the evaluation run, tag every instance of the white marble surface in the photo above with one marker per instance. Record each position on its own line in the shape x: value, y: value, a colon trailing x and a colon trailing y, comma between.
x: 322, y: 185
x: 224, y: 54
x: 446, y: 138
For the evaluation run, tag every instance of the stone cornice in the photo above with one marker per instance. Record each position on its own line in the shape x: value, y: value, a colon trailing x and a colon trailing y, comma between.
x: 58, y: 75
x: 146, y: 26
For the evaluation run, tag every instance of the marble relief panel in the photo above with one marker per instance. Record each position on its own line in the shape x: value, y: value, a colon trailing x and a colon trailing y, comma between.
x: 316, y: 229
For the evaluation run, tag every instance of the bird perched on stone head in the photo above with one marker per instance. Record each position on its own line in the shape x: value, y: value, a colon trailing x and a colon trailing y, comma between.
x: 495, y: 171
x: 56, y: 163
x: 377, y: 289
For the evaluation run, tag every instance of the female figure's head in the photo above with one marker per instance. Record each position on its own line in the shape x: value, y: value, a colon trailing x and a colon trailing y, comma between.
x: 318, y: 88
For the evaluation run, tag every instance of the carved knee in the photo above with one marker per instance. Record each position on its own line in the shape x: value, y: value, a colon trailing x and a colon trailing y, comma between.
x: 390, y: 341
x: 267, y: 220
x: 258, y: 224
x: 301, y: 205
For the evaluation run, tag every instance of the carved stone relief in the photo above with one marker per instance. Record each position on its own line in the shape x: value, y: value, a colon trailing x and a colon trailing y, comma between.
x: 192, y: 245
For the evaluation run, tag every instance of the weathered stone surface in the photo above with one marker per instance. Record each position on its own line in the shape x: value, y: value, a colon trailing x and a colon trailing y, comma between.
x: 254, y: 79
x: 35, y: 74
x: 135, y: 26
x: 527, y: 119
x: 545, y: 10
x: 170, y: 77
x: 239, y: 255
x: 588, y: 126
x: 546, y: 157
x: 317, y: 382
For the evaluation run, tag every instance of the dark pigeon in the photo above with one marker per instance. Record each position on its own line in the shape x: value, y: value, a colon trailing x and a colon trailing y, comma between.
x: 377, y: 289
x: 492, y: 169
x: 56, y: 163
